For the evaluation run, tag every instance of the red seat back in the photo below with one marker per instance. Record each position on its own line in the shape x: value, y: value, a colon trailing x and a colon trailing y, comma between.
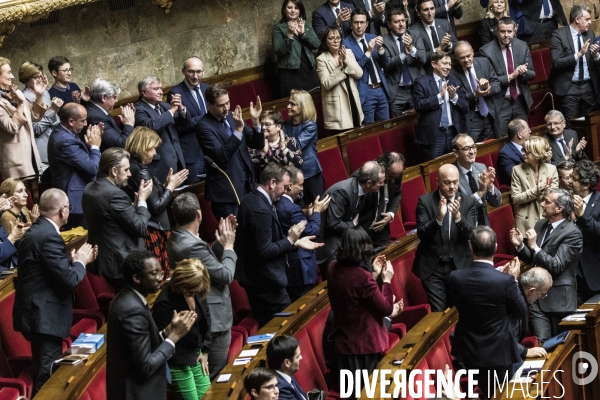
x: 541, y: 74
x: 405, y: 284
x: 315, y: 328
x: 363, y: 150
x: 333, y: 166
x: 209, y: 223
x: 402, y: 140
x: 242, y: 94
x: 397, y: 228
x: 85, y: 298
x: 433, y: 175
x: 13, y: 342
x: 236, y: 344
x: 547, y: 60
x: 96, y: 390
x: 502, y: 221
x: 239, y: 301
x: 263, y: 89
x: 438, y: 356
x: 537, y: 118
x: 309, y: 375
x: 411, y: 190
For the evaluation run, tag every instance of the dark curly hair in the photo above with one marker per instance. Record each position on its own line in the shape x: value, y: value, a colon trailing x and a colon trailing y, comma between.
x: 588, y: 173
x: 134, y: 264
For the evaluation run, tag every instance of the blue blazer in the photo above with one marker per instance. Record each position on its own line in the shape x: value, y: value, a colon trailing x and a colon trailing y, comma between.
x: 381, y: 61
x: 425, y: 92
x: 324, y: 16
x: 113, y: 135
x: 508, y: 157
x: 72, y: 165
x: 287, y: 392
x: 7, y: 251
x: 187, y: 135
x: 306, y: 134
x: 302, y: 263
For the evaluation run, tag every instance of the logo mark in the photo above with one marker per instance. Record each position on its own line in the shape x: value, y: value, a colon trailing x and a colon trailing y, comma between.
x: 583, y: 362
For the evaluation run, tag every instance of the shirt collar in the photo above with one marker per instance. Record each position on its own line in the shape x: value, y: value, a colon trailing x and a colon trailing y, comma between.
x: 517, y: 145
x: 141, y: 297
x: 485, y: 261
x: 97, y: 105
x: 573, y: 31
x: 437, y: 77
x: 557, y: 223
x: 61, y: 89
x: 54, y: 225
x: 586, y: 199
x: 260, y: 189
x: 285, y: 195
x: 190, y: 86
x: 153, y: 106
x: 358, y: 38
x: 287, y: 378
x: 463, y: 170
x: 361, y: 192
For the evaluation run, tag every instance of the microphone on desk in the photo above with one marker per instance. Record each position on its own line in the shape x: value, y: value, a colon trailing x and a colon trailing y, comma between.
x: 210, y: 162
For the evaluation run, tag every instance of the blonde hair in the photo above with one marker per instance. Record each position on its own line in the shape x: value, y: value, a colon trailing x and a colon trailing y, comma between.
x: 9, y: 186
x: 140, y: 141
x: 4, y: 61
x: 489, y: 12
x: 189, y: 274
x: 308, y: 111
x: 539, y: 147
x: 29, y: 70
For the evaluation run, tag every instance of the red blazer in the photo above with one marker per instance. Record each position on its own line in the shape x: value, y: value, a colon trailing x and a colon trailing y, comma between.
x: 359, y: 307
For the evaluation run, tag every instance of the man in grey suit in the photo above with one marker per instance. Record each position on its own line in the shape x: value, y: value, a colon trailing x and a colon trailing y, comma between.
x: 449, y: 9
x: 476, y: 180
x: 563, y: 142
x: 185, y: 243
x: 479, y: 79
x: 347, y: 201
x: 512, y: 62
x: 407, y: 56
x: 554, y: 244
x: 575, y: 60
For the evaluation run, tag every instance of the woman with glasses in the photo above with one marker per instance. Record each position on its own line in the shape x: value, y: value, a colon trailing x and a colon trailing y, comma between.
x: 294, y: 41
x: 302, y: 126
x: 278, y: 148
x: 141, y: 145
x: 187, y: 290
x: 18, y: 213
x: 261, y: 384
x: 529, y: 182
x: 338, y: 71
x: 496, y: 9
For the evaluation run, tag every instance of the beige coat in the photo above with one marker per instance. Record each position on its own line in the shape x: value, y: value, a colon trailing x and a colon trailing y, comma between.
x: 337, y: 113
x: 526, y: 197
x: 18, y: 151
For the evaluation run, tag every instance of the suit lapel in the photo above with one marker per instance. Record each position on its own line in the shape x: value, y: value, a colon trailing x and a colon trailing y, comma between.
x: 425, y: 36
x: 589, y: 208
x: 190, y: 96
x: 433, y: 85
x: 463, y: 79
x: 516, y: 151
x: 499, y: 57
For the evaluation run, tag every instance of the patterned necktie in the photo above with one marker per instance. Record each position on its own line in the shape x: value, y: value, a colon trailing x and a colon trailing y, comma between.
x: 563, y: 145
x: 481, y: 104
x: 368, y: 5
x: 405, y: 72
x: 511, y: 68
x: 581, y: 59
x: 444, y: 122
x: 157, y: 109
x: 434, y: 37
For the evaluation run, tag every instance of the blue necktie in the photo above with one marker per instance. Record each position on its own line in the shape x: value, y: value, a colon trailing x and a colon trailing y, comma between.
x: 405, y: 72
x: 483, y: 108
x: 227, y: 127
x: 368, y: 5
x: 444, y: 121
x: 199, y: 100
x: 546, y: 5
x: 581, y: 59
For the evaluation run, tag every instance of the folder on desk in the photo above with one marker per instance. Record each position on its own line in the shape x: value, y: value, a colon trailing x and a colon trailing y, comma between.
x: 553, y: 342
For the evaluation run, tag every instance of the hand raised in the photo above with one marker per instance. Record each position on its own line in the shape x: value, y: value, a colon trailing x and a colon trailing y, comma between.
x: 239, y: 119
x: 296, y: 230
x: 306, y: 243
x: 321, y: 205
x: 180, y: 325
x: 516, y: 237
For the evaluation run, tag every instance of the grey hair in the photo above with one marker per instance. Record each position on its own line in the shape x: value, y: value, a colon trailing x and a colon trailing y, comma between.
x: 102, y: 87
x: 554, y: 114
x: 536, y: 277
x: 577, y: 11
x: 146, y: 81
x: 564, y: 200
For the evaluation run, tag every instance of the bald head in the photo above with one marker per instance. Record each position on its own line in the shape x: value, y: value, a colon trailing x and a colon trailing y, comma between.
x: 193, y: 71
x: 51, y: 201
x: 371, y: 176
x: 464, y: 54
x: 448, y: 180
x: 536, y: 284
x: 70, y: 110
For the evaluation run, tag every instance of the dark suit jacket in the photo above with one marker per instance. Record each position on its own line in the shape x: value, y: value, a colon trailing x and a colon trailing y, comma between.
x: 231, y: 155
x: 520, y: 53
x: 44, y: 288
x: 494, y: 199
x: 488, y: 30
x: 442, y: 26
x: 425, y: 91
x: 483, y: 69
x: 450, y: 15
x: 488, y: 302
x: 589, y: 224
x: 324, y: 16
x: 557, y: 155
x: 380, y: 61
x: 8, y: 251
x: 169, y: 154
x: 187, y: 134
x: 117, y: 227
x: 508, y: 157
x: 72, y: 165
x: 515, y: 13
x: 395, y: 66
x: 287, y: 392
x: 113, y: 135
x: 181, y: 245
x: 260, y: 245
x: 559, y: 255
x: 376, y: 203
x: 302, y: 263
x: 198, y: 338
x: 531, y: 10
x: 562, y: 52
x: 429, y: 232
x: 372, y: 26
x: 136, y: 354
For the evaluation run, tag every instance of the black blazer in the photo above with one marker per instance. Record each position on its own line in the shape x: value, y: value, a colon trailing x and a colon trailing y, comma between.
x: 559, y: 255
x: 488, y: 30
x: 395, y: 66
x: 136, y: 354
x: 169, y: 154
x: 442, y: 26
x: 260, y: 245
x: 113, y: 136
x: 229, y: 153
x: 589, y: 224
x: 531, y: 10
x: 323, y: 16
x: 450, y: 15
x: 557, y: 155
x: 488, y: 302
x: 198, y: 338
x: 429, y: 233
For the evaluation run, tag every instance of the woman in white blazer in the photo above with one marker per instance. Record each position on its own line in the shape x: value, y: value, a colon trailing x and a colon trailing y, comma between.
x: 337, y: 69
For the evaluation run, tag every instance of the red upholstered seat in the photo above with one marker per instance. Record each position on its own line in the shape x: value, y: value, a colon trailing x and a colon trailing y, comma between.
x: 411, y: 190
x: 537, y: 117
x: 9, y: 393
x: 547, y: 60
x: 11, y: 389
x: 433, y: 175
x: 362, y: 150
x: 309, y: 375
x: 249, y: 324
x: 14, y: 345
x: 396, y: 228
x: 209, y: 223
x: 83, y: 325
x: 263, y: 89
x: 237, y: 342
x: 96, y: 390
x: 438, y: 356
x: 502, y: 221
x: 239, y: 302
x: 333, y: 166
x: 315, y: 328
x: 29, y: 201
x: 541, y: 74
x: 85, y: 299
x: 402, y: 140
x: 242, y: 94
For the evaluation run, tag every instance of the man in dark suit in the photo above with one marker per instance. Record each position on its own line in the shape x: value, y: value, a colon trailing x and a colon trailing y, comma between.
x: 476, y: 180
x: 115, y: 226
x: 193, y: 94
x: 348, y: 199
x: 441, y: 103
x: 511, y: 153
x: 137, y: 353
x: 224, y: 137
x: 488, y: 303
x: 480, y: 82
x: 514, y: 99
x: 406, y: 59
x: 8, y: 240
x: 103, y: 96
x: 375, y: 12
x: 445, y: 219
x: 380, y: 207
x: 563, y: 142
x: 575, y: 63
x: 283, y: 357
x: 541, y: 18
x: 302, y: 264
x: 73, y: 163
x: 333, y: 12
x: 437, y: 34
x: 43, y: 310
x: 450, y: 10
x: 164, y: 119
x: 585, y: 199
x: 185, y: 243
x: 554, y: 244
x: 371, y: 56
x: 262, y: 247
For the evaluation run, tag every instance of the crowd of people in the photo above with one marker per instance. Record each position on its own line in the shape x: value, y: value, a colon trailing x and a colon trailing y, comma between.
x: 278, y: 228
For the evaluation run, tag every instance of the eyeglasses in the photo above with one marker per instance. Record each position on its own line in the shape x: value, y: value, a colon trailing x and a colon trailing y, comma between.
x: 270, y: 388
x: 157, y: 274
x: 468, y: 149
x: 267, y: 124
x: 66, y: 70
x: 554, y: 123
x: 70, y: 207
